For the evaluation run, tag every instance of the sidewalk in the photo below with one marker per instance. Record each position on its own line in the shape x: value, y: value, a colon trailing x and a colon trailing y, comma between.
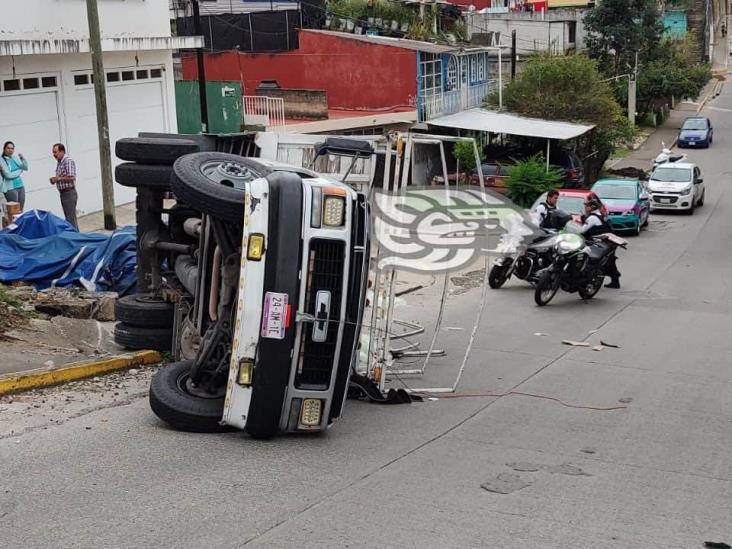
x: 93, y: 222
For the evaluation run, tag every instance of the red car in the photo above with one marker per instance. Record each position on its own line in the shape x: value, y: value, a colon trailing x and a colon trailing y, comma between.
x: 571, y: 201
x: 495, y: 174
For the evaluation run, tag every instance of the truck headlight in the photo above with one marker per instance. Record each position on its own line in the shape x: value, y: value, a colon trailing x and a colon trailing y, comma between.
x: 246, y: 372
x: 334, y: 208
x: 255, y: 247
x: 311, y: 411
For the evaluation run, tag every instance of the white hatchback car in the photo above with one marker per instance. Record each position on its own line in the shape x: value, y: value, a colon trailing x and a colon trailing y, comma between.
x: 676, y: 186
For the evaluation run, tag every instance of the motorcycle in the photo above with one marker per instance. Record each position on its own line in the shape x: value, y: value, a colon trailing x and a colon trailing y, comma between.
x: 538, y: 255
x: 578, y: 265
x: 667, y: 156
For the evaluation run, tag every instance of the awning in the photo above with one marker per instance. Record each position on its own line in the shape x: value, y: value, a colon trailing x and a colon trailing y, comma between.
x: 513, y: 124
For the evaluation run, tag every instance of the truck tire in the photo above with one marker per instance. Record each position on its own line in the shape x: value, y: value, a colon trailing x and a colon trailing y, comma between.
x: 143, y: 338
x: 148, y: 150
x: 144, y: 311
x: 151, y: 176
x: 214, y: 182
x: 172, y: 402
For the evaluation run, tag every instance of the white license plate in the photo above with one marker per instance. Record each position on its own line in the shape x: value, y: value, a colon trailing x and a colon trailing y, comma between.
x: 273, y: 316
x: 692, y: 143
x: 664, y: 200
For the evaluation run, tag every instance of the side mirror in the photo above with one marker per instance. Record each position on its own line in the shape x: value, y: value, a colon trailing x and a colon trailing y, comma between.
x: 700, y: 180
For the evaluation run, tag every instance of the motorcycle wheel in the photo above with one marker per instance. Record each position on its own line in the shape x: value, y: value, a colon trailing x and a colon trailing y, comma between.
x: 589, y: 290
x: 546, y: 288
x: 498, y: 276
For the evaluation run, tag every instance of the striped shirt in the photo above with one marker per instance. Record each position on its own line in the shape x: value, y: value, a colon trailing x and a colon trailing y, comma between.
x: 66, y: 167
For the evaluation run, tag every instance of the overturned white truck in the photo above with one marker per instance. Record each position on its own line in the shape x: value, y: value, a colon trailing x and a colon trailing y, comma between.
x: 257, y: 277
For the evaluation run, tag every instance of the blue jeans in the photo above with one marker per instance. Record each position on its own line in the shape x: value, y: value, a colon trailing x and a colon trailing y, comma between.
x: 16, y: 195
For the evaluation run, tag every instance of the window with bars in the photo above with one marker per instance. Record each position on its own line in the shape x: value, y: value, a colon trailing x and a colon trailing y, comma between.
x: 431, y: 74
x: 452, y: 74
x: 482, y: 69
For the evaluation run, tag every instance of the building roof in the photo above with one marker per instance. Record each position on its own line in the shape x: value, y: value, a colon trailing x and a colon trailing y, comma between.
x: 513, y: 124
x: 404, y: 43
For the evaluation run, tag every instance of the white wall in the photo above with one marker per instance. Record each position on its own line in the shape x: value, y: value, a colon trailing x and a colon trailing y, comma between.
x: 144, y: 105
x: 534, y: 31
x: 37, y: 19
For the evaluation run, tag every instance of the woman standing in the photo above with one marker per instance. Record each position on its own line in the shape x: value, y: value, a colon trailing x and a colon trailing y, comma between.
x: 11, y: 167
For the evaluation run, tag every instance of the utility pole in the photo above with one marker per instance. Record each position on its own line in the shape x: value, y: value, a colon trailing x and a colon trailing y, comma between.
x: 100, y: 94
x: 513, y: 55
x: 632, y: 82
x: 201, y: 68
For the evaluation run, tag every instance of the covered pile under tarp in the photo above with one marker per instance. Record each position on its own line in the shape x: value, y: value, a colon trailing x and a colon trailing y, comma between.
x: 45, y: 250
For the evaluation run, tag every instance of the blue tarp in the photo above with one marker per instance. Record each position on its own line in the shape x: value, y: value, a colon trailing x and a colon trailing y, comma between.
x: 44, y: 250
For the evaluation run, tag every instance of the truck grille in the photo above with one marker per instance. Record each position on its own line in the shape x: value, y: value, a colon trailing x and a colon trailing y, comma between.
x: 326, y: 259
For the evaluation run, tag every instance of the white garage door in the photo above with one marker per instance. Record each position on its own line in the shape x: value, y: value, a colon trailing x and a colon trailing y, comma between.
x: 29, y: 117
x: 135, y: 105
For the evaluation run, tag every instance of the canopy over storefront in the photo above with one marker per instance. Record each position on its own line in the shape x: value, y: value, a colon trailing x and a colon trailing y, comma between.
x: 513, y: 124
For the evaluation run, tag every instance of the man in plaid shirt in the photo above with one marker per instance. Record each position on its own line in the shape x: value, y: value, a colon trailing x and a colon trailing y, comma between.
x: 65, y: 181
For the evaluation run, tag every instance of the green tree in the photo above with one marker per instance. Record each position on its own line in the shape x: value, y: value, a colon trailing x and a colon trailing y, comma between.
x: 570, y: 88
x: 464, y: 153
x: 527, y: 179
x: 617, y: 30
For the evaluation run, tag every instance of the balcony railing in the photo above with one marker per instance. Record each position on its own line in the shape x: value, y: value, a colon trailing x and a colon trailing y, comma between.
x: 264, y: 111
x: 445, y: 103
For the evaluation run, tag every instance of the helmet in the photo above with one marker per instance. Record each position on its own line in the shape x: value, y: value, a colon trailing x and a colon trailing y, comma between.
x: 594, y: 203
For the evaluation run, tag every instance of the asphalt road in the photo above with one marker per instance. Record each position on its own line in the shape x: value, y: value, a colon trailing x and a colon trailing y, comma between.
x: 87, y: 468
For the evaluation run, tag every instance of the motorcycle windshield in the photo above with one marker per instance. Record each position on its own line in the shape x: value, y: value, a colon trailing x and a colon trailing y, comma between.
x: 547, y: 243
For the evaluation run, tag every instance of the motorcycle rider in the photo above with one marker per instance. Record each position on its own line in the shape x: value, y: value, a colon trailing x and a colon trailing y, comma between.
x: 594, y: 222
x: 543, y: 210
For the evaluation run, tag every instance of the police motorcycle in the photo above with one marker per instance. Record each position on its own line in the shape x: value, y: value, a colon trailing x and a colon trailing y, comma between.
x: 537, y: 256
x: 667, y: 156
x: 576, y: 265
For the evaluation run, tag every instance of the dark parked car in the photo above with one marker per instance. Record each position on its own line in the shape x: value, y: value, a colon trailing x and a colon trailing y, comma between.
x: 696, y: 131
x: 571, y: 166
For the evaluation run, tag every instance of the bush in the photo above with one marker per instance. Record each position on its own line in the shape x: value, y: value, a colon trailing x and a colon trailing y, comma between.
x: 529, y: 178
x: 464, y: 153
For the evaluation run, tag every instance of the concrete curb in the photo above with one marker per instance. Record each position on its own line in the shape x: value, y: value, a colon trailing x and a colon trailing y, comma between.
x: 35, y: 379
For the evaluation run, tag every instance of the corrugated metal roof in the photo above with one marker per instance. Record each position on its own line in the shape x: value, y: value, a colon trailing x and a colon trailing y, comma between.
x: 513, y: 124
x: 414, y: 45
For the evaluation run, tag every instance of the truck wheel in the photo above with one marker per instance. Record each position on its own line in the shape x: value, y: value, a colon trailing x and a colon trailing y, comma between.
x: 143, y: 338
x: 150, y: 150
x: 182, y: 406
x: 144, y: 310
x: 215, y: 182
x: 151, y: 176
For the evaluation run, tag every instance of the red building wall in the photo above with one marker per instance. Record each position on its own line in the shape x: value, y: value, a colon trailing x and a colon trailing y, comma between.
x: 479, y: 4
x: 356, y: 75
